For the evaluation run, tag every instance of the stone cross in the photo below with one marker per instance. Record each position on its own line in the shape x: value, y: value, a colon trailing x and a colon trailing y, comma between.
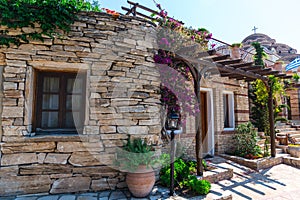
x: 254, y: 29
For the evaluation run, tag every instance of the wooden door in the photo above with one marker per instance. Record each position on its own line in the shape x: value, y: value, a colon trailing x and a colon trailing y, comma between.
x: 204, y: 121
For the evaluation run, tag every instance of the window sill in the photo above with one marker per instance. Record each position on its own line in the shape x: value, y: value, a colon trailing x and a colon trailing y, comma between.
x: 228, y: 129
x: 55, y: 138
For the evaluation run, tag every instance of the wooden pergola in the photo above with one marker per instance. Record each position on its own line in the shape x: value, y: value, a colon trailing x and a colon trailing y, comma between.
x: 211, y: 61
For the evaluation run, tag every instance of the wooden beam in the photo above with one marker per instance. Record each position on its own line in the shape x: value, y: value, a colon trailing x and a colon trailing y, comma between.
x: 138, y: 13
x: 219, y: 58
x: 268, y: 73
x: 280, y: 75
x: 148, y: 9
x: 242, y: 65
x: 260, y: 70
x: 228, y: 62
x: 204, y: 54
x: 247, y: 74
x: 251, y: 67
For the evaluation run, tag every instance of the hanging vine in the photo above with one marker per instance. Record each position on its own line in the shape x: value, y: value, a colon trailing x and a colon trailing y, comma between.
x: 44, y: 18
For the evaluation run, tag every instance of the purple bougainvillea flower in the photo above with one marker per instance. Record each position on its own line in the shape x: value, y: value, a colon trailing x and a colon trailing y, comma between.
x: 158, y: 6
x: 193, y: 37
x: 164, y: 41
x: 209, y: 36
x: 163, y: 13
x: 213, y: 45
x: 157, y: 58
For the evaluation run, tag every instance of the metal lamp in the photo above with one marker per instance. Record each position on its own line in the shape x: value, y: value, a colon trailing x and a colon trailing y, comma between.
x: 173, y: 121
x: 172, y: 124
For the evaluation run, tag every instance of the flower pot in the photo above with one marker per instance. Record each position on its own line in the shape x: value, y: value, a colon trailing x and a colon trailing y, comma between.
x: 141, y: 182
x: 235, y: 52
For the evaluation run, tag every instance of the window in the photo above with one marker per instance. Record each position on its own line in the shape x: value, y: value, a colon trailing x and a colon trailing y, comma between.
x: 60, y: 102
x: 228, y: 103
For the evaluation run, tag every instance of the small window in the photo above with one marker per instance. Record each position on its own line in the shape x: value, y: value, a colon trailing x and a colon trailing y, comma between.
x: 228, y: 103
x: 60, y: 102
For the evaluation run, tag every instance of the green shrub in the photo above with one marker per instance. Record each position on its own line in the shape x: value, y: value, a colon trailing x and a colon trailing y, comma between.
x: 200, y: 187
x: 183, y: 176
x: 245, y: 141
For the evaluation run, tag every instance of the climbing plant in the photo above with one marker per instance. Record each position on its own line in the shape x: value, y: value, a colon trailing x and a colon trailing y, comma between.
x: 259, y: 55
x: 259, y: 95
x: 44, y: 17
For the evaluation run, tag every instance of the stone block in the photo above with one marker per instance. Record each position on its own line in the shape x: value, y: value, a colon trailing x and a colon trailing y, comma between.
x: 61, y: 66
x: 96, y: 172
x: 41, y: 157
x: 114, y: 136
x: 47, y: 169
x: 131, y: 109
x: 99, y: 185
x: 9, y: 171
x: 13, y: 56
x: 31, y: 47
x: 10, y: 86
x: 79, y: 146
x: 13, y: 94
x: 14, y: 185
x: 18, y: 159
x: 12, y: 112
x: 133, y: 130
x: 56, y: 158
x: 91, y: 130
x: 80, y: 159
x: 24, y: 147
x: 72, y: 184
x: 13, y: 130
x: 108, y: 129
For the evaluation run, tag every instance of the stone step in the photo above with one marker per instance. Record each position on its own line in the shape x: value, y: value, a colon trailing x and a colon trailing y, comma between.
x: 279, y: 150
x: 288, y: 132
x: 283, y: 126
x: 285, y: 129
x: 296, y: 122
x: 296, y: 126
x: 295, y: 135
x: 282, y: 147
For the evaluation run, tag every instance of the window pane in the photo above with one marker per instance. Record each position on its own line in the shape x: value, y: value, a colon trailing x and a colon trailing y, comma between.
x: 74, y: 102
x: 49, y: 119
x: 72, y: 118
x: 51, y: 84
x: 50, y: 101
x: 74, y: 85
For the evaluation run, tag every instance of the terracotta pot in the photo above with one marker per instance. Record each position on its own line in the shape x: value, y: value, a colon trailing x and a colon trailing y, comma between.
x: 235, y: 52
x: 141, y: 182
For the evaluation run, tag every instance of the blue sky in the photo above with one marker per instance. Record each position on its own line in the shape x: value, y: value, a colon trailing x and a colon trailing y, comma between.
x: 232, y: 20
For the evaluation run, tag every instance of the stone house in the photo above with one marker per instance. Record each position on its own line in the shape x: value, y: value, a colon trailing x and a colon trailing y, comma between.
x: 68, y: 103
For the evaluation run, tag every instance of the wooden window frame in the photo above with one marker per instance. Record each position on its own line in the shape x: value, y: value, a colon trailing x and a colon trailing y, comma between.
x: 230, y: 105
x: 62, y: 108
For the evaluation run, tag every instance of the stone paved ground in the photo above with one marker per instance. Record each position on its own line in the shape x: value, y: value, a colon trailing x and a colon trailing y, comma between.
x: 276, y: 183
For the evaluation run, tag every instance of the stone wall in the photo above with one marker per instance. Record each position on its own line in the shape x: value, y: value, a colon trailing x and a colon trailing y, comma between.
x: 294, y: 100
x: 122, y: 99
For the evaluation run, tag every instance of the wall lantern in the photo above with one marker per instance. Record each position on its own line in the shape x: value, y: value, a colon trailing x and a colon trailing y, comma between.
x: 173, y: 121
x: 172, y: 125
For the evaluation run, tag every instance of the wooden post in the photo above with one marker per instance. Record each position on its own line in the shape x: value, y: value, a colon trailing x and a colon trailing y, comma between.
x: 198, y: 128
x: 271, y: 117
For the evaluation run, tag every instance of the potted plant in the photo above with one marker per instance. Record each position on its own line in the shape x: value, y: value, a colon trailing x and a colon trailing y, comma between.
x: 235, y: 50
x: 136, y: 158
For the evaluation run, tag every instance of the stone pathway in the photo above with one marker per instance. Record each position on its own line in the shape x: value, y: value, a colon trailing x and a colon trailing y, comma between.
x: 278, y: 182
x: 157, y: 193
